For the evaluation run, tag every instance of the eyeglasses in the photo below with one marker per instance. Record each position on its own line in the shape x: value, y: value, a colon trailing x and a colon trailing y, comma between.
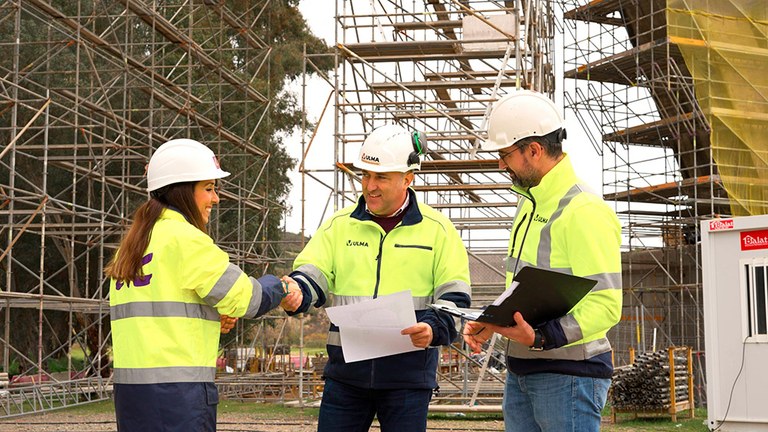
x: 504, y: 155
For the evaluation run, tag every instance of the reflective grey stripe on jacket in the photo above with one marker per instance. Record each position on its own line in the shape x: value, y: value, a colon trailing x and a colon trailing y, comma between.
x: 164, y: 374
x: 317, y: 277
x: 419, y: 303
x: 571, y: 352
x: 162, y: 310
x: 604, y: 280
x: 255, y: 303
x: 224, y: 285
x: 545, y: 237
x: 452, y: 287
x: 334, y: 338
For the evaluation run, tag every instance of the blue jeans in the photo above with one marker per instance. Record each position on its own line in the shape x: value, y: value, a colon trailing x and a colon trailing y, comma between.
x: 549, y: 402
x: 347, y: 408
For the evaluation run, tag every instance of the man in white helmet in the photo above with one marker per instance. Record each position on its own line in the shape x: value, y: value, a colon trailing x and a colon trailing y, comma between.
x: 558, y: 373
x: 386, y: 243
x: 170, y: 285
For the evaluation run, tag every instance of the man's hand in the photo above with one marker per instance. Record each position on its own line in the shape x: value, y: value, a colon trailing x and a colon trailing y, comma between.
x: 227, y: 323
x: 476, y: 334
x: 522, y: 333
x: 421, y: 334
x: 293, y: 300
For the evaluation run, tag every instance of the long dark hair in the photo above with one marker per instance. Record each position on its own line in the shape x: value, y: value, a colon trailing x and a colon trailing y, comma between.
x: 126, y: 263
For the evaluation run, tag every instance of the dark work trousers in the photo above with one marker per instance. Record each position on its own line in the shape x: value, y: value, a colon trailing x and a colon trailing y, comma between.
x: 167, y: 407
x: 347, y: 408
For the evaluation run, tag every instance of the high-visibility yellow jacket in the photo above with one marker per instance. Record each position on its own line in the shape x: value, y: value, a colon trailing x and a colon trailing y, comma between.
x: 562, y: 226
x: 165, y: 326
x: 351, y: 259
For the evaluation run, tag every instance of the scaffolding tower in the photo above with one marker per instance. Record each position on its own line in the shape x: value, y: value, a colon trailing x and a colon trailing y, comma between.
x: 674, y: 89
x: 88, y: 90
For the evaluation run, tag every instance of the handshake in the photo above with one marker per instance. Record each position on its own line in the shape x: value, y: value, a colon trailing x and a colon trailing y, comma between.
x: 291, y: 302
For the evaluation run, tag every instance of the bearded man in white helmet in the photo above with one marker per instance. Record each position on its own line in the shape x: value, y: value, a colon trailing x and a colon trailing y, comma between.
x: 170, y: 286
x: 386, y: 243
x: 558, y: 373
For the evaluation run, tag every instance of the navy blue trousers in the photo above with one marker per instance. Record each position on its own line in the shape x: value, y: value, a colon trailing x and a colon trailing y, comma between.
x: 167, y: 407
x: 347, y: 408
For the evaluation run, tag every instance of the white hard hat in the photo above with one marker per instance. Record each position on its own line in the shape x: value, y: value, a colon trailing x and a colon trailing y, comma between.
x: 182, y: 160
x: 522, y: 114
x: 391, y: 148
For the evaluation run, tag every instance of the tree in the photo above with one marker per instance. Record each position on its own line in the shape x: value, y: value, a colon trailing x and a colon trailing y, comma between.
x: 108, y: 78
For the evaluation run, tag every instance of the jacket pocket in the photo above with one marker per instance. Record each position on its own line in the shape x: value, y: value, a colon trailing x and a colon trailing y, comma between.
x: 408, y: 246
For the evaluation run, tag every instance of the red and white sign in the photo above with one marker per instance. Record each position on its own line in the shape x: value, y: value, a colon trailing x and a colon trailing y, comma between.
x: 751, y: 240
x: 720, y: 224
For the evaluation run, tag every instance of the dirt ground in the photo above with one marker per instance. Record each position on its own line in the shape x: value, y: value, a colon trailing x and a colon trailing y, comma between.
x: 228, y: 422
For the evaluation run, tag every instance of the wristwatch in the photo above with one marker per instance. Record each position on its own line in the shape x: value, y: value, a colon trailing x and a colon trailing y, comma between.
x: 538, y: 341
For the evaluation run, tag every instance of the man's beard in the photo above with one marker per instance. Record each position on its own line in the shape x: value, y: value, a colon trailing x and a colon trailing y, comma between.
x: 526, y: 178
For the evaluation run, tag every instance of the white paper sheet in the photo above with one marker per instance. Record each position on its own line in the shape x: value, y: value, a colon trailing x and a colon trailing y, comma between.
x: 371, y: 329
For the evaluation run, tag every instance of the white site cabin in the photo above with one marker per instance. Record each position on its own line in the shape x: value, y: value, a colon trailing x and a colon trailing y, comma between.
x: 735, y: 272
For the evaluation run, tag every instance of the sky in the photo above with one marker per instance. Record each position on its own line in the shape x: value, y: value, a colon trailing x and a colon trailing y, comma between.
x: 320, y: 18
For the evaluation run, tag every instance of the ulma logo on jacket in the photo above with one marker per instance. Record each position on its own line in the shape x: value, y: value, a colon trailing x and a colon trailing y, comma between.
x: 357, y: 243
x: 370, y: 159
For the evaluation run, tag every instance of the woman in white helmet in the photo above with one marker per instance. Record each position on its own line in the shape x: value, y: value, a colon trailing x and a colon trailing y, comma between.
x: 170, y: 285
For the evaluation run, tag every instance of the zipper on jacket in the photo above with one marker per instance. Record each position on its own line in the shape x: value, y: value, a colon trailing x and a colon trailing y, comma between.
x: 514, y: 236
x: 378, y: 266
x: 525, y: 234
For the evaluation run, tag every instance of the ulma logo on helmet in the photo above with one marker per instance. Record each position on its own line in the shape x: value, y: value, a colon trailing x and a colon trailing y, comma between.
x: 370, y: 159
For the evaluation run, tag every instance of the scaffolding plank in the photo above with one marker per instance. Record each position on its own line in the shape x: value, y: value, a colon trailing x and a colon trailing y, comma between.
x: 456, y: 114
x: 656, y: 133
x: 624, y: 68
x: 420, y: 50
x: 425, y: 25
x: 661, y: 193
x: 597, y: 11
x: 446, y: 84
x: 451, y: 166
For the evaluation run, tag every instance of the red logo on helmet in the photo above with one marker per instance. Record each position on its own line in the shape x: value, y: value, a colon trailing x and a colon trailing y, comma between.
x: 216, y: 162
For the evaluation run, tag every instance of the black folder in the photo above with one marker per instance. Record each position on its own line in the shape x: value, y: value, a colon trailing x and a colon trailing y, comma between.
x: 541, y: 295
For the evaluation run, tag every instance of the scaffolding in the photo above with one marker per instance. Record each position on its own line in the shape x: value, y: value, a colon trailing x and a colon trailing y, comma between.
x: 87, y: 91
x: 666, y: 83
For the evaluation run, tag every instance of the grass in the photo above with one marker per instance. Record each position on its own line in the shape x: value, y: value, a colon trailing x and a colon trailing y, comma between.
x: 99, y: 407
x: 308, y: 352
x: 626, y: 422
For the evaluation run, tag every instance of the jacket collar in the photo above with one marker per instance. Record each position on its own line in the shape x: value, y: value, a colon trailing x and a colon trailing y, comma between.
x: 411, y: 216
x: 554, y: 183
x: 171, y: 212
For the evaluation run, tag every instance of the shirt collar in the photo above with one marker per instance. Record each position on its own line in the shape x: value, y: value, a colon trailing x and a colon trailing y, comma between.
x: 396, y: 213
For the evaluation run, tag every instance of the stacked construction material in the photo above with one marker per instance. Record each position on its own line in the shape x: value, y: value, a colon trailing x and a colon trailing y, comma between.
x: 647, y: 384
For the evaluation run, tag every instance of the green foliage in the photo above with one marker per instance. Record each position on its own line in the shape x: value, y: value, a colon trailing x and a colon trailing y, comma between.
x: 60, y: 364
x: 13, y: 367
